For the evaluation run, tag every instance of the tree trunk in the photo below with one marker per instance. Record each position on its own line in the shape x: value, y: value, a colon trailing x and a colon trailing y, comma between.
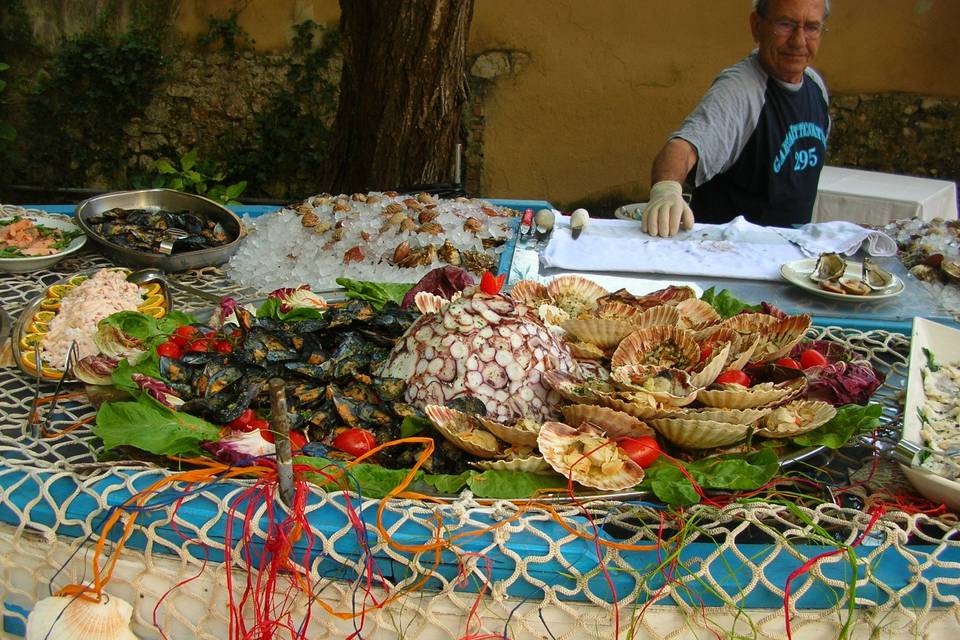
x: 402, y: 93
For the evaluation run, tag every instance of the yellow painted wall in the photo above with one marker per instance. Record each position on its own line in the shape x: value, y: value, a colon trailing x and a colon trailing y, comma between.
x: 608, y: 80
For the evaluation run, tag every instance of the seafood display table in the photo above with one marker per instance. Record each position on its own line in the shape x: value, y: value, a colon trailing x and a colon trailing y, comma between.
x: 505, y: 569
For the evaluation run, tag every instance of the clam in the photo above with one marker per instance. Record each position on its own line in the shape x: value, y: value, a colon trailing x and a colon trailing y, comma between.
x: 830, y: 266
x: 878, y: 278
x: 75, y: 618
x: 587, y: 456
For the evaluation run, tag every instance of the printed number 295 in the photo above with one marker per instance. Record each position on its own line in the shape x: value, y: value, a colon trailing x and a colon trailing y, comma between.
x: 805, y: 158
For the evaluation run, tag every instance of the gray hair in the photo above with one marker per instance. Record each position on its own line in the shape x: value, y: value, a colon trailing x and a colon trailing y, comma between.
x: 760, y: 6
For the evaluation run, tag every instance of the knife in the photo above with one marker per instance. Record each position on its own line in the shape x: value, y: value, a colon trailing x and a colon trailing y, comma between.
x: 578, y: 222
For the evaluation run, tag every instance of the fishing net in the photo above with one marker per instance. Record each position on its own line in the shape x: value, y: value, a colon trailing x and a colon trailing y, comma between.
x: 856, y: 555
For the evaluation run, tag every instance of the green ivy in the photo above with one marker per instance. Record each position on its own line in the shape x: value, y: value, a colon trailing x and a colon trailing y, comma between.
x: 193, y: 176
x: 7, y: 132
x: 227, y: 32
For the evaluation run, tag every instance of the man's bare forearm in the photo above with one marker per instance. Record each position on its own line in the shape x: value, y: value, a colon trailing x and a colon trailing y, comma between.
x: 674, y: 162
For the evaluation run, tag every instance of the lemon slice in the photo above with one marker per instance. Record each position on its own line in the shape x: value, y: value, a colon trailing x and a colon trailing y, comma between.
x: 43, y: 316
x: 154, y: 312
x: 152, y: 301
x: 152, y: 289
x: 38, y: 327
x: 59, y: 290
x: 49, y: 304
x: 27, y: 342
x: 75, y: 280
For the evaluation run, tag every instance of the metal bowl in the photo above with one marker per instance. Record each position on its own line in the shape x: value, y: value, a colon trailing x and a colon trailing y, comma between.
x: 172, y: 201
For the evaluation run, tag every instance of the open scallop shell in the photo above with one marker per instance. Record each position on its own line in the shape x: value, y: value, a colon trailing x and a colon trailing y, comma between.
x: 523, y: 432
x: 429, y: 302
x: 795, y: 418
x: 660, y: 316
x: 530, y: 464
x: 777, y: 340
x: 574, y: 389
x: 70, y: 618
x: 694, y: 433
x: 552, y: 316
x: 696, y: 314
x: 714, y: 365
x: 605, y: 334
x: 765, y: 394
x: 616, y: 310
x: 463, y: 431
x: 670, y: 387
x: 712, y: 414
x: 586, y: 351
x: 575, y: 294
x: 657, y: 346
x: 615, y: 424
x: 587, y: 456
x: 530, y: 292
x: 638, y: 405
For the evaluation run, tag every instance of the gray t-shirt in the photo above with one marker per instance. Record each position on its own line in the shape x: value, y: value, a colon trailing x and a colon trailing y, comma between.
x: 727, y: 115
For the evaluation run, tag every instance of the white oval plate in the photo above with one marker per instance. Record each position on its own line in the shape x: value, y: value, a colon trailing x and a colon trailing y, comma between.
x: 798, y: 273
x: 630, y: 211
x: 50, y: 220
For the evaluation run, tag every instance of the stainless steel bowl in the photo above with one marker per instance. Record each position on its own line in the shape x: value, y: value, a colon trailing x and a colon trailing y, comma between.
x: 172, y: 201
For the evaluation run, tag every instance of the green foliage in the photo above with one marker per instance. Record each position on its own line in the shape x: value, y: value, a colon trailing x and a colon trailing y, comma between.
x: 292, y: 135
x: 7, y: 132
x: 193, y: 176
x: 227, y: 32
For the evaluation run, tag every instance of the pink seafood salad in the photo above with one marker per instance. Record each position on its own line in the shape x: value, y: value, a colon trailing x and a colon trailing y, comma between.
x: 104, y: 293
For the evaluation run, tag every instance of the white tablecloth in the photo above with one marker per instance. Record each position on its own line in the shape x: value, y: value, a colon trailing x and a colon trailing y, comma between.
x: 870, y: 197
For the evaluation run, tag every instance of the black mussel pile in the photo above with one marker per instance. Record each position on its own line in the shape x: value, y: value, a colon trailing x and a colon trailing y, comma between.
x: 146, y: 229
x: 328, y: 366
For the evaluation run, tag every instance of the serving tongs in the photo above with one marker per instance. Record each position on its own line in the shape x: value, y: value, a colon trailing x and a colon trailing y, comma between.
x: 904, y: 451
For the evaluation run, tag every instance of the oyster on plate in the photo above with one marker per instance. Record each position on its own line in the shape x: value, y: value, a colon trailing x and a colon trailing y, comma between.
x: 830, y: 266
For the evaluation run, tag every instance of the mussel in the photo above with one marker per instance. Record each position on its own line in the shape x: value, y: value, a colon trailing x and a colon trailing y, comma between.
x: 830, y: 266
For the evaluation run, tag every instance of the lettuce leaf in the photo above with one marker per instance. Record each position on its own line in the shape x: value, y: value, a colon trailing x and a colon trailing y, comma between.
x: 271, y: 309
x: 513, y: 484
x: 725, y: 303
x: 377, y: 293
x: 731, y: 472
x: 849, y: 421
x: 148, y: 425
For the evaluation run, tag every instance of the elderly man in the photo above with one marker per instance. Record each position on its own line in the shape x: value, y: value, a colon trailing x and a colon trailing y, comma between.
x: 758, y: 137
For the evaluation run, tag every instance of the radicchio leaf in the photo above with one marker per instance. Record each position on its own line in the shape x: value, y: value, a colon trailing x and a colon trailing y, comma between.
x: 846, y: 379
x: 241, y: 449
x: 157, y: 390
x: 95, y: 369
x: 115, y: 343
x: 442, y: 281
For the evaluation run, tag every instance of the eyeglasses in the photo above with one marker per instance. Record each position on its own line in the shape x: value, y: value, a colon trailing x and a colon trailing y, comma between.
x: 785, y: 28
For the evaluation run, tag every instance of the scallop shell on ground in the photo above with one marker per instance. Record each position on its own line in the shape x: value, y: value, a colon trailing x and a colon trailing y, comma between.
x: 587, y: 456
x: 615, y: 424
x: 530, y: 464
x: 575, y: 294
x: 463, y: 431
x: 670, y: 387
x: 603, y: 333
x: 523, y: 432
x: 695, y: 433
x: 765, y: 394
x: 529, y: 292
x: 795, y: 418
x: 696, y: 314
x: 72, y: 618
x: 657, y: 346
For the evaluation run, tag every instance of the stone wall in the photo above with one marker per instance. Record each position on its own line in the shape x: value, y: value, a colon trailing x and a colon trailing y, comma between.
x: 896, y: 133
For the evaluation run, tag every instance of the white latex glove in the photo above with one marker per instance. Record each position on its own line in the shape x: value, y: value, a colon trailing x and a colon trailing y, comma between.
x: 667, y: 210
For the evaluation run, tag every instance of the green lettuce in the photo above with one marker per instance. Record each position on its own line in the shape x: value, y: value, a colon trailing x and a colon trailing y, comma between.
x: 377, y: 293
x: 725, y: 303
x: 850, y: 420
x: 148, y: 425
x: 731, y: 472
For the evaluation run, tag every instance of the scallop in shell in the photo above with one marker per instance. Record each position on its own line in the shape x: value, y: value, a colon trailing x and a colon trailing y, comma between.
x: 587, y: 456
x: 615, y: 310
x: 638, y: 405
x: 830, y: 266
x: 615, y: 424
x: 530, y: 292
x: 522, y: 432
x: 760, y: 395
x: 795, y: 418
x: 778, y: 339
x: 605, y: 334
x: 697, y: 433
x: 429, y: 302
x: 710, y: 368
x: 74, y: 618
x: 732, y: 416
x: 574, y: 389
x: 696, y: 314
x: 463, y: 431
x: 657, y: 346
x: 660, y: 316
x: 530, y: 464
x: 551, y: 315
x: 670, y: 387
x: 575, y: 294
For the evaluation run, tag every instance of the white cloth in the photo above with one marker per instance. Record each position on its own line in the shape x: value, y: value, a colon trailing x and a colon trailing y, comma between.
x: 737, y: 249
x: 877, y: 198
x: 840, y: 237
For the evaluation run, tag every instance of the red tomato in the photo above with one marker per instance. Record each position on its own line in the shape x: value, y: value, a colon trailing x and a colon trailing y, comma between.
x: 788, y: 362
x: 186, y: 331
x: 297, y: 440
x: 643, y: 450
x: 180, y: 341
x: 812, y: 358
x: 201, y: 344
x: 241, y: 421
x: 733, y: 376
x: 705, y: 352
x: 223, y: 346
x: 169, y: 349
x: 356, y: 442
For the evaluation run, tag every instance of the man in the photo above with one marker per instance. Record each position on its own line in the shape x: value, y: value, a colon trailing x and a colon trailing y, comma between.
x: 758, y: 137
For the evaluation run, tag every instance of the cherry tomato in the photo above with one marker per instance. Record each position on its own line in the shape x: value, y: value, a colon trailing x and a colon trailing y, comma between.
x: 201, y: 344
x: 186, y: 331
x: 223, y: 346
x: 733, y: 376
x: 356, y: 442
x: 180, y: 341
x: 297, y: 440
x: 788, y: 362
x: 169, y: 349
x: 705, y: 352
x: 812, y: 358
x: 643, y: 450
x: 242, y: 421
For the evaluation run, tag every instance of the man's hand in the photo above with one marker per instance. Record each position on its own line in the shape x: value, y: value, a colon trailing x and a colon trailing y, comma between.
x: 667, y: 210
